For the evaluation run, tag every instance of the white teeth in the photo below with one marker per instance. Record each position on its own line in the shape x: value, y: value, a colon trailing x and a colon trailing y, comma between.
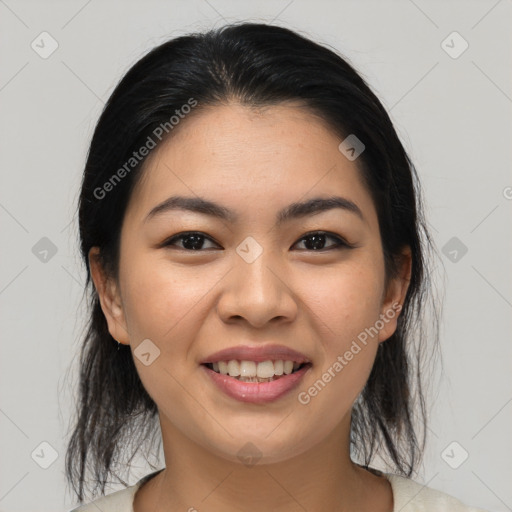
x: 265, y: 369
x: 223, y: 367
x: 247, y: 369
x: 234, y: 368
x: 251, y: 369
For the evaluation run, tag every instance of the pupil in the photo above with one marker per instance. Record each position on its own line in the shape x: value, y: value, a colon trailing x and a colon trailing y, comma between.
x: 318, y: 241
x: 196, y: 244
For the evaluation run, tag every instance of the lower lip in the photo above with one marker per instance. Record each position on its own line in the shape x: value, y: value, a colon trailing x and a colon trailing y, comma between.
x: 257, y: 392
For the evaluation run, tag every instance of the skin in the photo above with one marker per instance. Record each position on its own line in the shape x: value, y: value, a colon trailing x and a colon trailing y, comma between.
x: 191, y: 304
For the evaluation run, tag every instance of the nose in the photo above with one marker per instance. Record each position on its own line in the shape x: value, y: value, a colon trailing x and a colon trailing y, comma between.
x: 257, y: 292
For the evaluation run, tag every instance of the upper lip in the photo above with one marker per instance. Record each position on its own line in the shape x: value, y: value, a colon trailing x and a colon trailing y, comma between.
x: 257, y: 354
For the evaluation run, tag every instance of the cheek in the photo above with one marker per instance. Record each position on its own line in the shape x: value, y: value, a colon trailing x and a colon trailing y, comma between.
x: 347, y: 301
x: 349, y: 346
x: 158, y: 296
x: 346, y: 306
x: 164, y: 304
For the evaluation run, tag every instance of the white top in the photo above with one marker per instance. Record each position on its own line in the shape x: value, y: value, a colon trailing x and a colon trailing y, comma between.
x: 408, y: 495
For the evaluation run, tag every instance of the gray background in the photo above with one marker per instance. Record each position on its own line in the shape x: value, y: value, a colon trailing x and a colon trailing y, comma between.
x: 453, y: 115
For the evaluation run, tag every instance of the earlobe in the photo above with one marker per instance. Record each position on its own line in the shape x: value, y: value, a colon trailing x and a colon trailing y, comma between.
x: 109, y: 296
x: 395, y: 296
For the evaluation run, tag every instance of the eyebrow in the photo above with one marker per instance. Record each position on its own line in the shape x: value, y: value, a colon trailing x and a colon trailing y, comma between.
x: 292, y: 211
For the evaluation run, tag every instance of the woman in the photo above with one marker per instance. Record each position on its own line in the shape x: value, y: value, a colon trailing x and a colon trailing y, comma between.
x: 253, y: 230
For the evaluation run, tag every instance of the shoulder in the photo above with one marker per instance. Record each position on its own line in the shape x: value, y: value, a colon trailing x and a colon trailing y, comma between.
x: 410, y: 496
x: 119, y: 501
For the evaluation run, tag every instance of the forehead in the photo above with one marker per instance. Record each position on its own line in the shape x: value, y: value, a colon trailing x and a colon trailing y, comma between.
x: 250, y: 159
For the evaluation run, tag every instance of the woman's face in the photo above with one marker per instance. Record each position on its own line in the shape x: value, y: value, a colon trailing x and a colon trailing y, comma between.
x: 254, y: 280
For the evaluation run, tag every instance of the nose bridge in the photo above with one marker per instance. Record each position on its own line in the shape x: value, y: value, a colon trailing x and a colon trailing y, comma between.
x: 255, y: 290
x: 257, y: 278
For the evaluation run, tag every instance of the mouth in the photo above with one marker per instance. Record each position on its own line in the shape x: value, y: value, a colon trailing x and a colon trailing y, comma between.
x: 256, y: 374
x: 254, y: 382
x: 256, y: 371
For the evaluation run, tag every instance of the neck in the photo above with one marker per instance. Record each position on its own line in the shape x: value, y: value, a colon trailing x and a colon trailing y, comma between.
x: 323, y: 478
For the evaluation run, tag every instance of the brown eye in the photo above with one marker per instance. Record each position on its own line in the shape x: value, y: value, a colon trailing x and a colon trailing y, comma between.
x: 191, y: 241
x: 316, y: 241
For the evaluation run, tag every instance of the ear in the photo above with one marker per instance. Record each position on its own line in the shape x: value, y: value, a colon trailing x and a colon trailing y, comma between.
x: 394, y: 296
x: 110, y: 299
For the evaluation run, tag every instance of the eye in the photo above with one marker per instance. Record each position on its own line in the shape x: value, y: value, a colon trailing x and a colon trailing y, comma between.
x: 192, y: 241
x: 316, y: 241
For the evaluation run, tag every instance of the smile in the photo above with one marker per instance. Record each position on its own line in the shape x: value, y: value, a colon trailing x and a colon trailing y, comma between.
x: 256, y: 382
x: 253, y: 371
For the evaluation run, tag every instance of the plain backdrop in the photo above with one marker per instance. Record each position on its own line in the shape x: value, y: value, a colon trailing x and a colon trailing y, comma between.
x: 449, y: 95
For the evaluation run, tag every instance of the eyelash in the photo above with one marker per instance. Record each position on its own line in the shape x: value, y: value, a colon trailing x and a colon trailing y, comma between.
x: 340, y: 242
